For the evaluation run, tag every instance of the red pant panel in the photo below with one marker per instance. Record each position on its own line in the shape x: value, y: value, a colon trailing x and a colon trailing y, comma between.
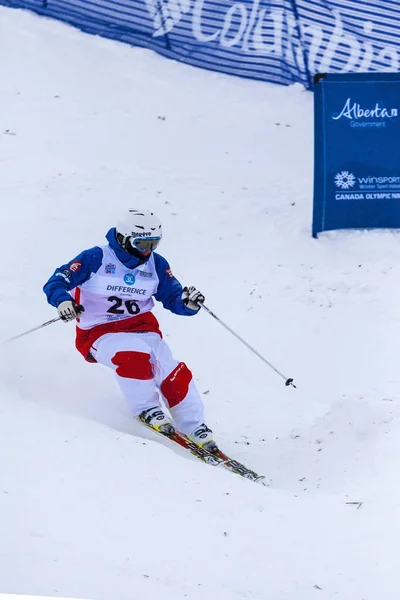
x: 176, y: 385
x: 133, y: 364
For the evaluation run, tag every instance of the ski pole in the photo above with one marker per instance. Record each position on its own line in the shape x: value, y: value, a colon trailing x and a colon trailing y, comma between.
x: 79, y: 310
x: 33, y: 329
x: 288, y: 381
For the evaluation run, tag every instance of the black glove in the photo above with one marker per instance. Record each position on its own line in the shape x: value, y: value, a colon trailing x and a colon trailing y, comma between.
x: 69, y: 310
x: 192, y: 297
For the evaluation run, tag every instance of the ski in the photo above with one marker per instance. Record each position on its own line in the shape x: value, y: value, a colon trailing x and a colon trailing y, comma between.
x: 236, y: 467
x: 182, y: 441
x: 214, y: 459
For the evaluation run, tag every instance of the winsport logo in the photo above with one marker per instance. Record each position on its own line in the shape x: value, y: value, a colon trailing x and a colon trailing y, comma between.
x: 345, y: 180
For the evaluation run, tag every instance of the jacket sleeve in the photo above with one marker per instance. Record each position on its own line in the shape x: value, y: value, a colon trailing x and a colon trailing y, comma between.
x: 169, y: 290
x: 69, y: 276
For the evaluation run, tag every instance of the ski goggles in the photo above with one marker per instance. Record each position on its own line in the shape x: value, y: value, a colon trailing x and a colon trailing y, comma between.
x: 145, y: 244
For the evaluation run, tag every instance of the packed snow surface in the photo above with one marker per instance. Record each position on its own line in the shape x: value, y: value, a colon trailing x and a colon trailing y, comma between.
x: 93, y: 506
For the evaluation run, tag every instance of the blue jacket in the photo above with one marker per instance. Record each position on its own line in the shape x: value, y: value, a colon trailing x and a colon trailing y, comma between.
x: 64, y: 279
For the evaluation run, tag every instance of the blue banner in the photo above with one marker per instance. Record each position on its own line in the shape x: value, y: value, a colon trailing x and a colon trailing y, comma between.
x: 282, y: 41
x: 357, y: 149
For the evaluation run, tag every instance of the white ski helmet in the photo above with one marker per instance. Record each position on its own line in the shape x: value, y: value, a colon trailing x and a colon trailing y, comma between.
x: 139, y: 230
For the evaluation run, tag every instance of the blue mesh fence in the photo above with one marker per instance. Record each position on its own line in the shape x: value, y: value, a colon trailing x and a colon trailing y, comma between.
x: 283, y: 41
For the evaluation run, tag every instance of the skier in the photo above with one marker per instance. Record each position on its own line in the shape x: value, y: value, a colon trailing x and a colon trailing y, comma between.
x: 109, y: 291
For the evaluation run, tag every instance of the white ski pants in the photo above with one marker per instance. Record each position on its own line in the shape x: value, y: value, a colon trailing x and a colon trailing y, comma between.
x: 144, y: 368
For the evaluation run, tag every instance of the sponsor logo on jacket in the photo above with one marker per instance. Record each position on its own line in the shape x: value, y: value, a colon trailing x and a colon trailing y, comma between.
x: 110, y: 269
x: 144, y: 274
x: 65, y: 275
x: 75, y: 266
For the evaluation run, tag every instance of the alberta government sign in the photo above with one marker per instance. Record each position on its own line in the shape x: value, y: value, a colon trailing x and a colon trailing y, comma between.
x: 357, y: 145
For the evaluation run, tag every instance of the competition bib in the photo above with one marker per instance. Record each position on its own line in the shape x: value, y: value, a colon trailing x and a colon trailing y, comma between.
x: 116, y: 292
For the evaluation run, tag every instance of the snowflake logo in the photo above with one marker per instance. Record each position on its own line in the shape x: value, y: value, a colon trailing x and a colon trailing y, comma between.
x: 345, y: 180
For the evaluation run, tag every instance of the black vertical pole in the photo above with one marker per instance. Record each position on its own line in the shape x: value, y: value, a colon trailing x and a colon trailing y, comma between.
x: 302, y: 43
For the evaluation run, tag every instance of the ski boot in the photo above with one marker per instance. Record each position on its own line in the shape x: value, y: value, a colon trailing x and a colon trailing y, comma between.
x: 157, y: 419
x: 203, y: 437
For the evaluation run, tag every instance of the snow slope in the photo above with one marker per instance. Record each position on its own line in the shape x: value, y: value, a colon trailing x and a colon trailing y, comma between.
x: 90, y: 504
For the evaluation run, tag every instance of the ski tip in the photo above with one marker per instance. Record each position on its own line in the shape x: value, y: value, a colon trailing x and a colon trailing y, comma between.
x: 261, y: 480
